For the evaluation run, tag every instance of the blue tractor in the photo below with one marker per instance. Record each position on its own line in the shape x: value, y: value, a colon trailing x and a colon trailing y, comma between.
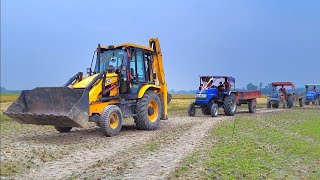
x: 312, y: 94
x: 219, y: 92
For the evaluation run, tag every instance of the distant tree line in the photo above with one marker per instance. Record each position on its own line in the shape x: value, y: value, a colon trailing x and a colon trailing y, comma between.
x: 3, y: 90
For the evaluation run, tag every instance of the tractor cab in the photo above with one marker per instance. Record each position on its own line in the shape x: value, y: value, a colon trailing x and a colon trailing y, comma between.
x: 132, y: 64
x: 214, y: 87
x: 312, y: 94
x: 284, y: 92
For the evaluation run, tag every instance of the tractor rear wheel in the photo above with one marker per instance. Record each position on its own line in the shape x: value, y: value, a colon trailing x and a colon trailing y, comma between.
x: 230, y: 105
x: 111, y: 120
x: 214, y: 110
x: 149, y: 111
x: 63, y: 129
x: 205, y: 111
x: 290, y: 101
x: 252, y: 105
x: 191, y: 109
x: 301, y: 103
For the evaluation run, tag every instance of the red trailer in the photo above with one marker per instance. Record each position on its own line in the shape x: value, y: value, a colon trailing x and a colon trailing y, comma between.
x: 248, y: 97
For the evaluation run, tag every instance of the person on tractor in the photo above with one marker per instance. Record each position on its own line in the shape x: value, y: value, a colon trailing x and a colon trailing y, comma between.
x: 283, y: 90
x: 221, y: 86
x: 226, y: 84
x: 314, y: 89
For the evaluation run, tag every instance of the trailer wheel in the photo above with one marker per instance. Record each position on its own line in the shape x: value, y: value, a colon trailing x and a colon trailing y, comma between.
x: 149, y: 111
x: 191, y: 109
x: 111, y: 120
x: 284, y: 104
x: 268, y: 104
x: 63, y: 129
x: 230, y: 105
x: 214, y: 110
x: 252, y: 105
x: 301, y: 103
x: 205, y: 111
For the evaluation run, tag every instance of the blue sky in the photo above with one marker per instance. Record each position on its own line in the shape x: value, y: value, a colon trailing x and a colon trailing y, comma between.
x: 44, y: 43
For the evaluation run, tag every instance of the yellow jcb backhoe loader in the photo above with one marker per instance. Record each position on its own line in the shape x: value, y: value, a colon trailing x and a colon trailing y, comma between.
x: 127, y: 81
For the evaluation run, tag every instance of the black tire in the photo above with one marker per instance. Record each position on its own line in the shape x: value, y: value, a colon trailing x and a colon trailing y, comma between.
x: 111, y: 120
x: 307, y: 103
x: 63, y: 129
x: 313, y: 102
x: 191, y: 109
x: 275, y: 105
x: 301, y: 103
x: 169, y: 98
x: 214, y: 110
x: 230, y: 105
x: 290, y: 103
x: 149, y: 111
x: 205, y: 111
x: 268, y: 104
x: 284, y: 104
x: 252, y: 105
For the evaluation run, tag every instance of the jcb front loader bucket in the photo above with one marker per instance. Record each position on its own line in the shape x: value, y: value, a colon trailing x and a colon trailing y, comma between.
x: 58, y: 106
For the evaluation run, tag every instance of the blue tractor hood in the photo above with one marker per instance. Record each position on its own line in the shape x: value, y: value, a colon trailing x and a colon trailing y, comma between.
x: 311, y: 95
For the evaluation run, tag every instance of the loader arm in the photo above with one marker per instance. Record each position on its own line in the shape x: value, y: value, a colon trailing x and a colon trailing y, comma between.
x: 158, y: 68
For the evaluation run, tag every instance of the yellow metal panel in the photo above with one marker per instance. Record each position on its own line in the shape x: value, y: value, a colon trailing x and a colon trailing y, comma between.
x: 144, y: 88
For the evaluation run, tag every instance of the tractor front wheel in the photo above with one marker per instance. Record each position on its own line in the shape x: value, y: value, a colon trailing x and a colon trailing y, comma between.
x: 191, y: 109
x: 111, y: 120
x: 268, y: 104
x: 214, y: 110
x: 149, y: 111
x: 252, y: 105
x: 230, y: 105
x: 290, y: 101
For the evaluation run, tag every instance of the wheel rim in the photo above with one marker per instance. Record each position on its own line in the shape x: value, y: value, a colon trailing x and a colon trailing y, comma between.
x: 216, y: 112
x: 114, y: 121
x: 234, y: 105
x: 254, y: 105
x: 153, y: 111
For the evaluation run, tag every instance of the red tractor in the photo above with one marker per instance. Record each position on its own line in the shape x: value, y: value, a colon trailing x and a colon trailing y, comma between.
x: 285, y: 96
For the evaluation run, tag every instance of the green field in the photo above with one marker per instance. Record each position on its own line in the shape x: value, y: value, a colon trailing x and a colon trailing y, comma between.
x: 8, y: 97
x: 281, y: 145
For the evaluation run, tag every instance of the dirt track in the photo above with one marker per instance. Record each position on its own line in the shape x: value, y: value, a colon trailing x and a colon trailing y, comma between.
x: 86, y: 153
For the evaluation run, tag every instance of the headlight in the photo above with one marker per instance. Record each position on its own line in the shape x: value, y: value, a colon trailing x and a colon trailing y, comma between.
x: 201, y: 95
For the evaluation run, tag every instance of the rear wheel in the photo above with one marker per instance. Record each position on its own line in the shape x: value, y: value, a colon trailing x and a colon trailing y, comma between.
x: 290, y: 101
x: 214, y: 110
x: 301, y: 103
x: 191, y: 109
x: 230, y: 105
x: 149, y: 111
x: 63, y: 129
x: 205, y: 111
x: 252, y: 105
x: 111, y: 120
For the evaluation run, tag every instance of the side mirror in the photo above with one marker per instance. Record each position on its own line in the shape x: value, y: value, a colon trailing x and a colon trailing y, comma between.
x: 89, y: 71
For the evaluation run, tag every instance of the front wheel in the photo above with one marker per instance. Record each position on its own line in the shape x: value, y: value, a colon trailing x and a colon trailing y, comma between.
x: 230, y: 105
x: 268, y: 104
x: 111, y: 120
x: 214, y: 110
x: 149, y: 111
x: 191, y: 109
x: 252, y: 105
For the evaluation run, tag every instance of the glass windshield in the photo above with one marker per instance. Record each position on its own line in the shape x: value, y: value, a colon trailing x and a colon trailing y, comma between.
x: 113, y: 57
